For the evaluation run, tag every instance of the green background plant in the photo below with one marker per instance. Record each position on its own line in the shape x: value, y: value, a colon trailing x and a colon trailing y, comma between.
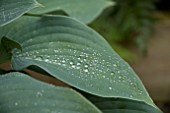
x: 129, y: 22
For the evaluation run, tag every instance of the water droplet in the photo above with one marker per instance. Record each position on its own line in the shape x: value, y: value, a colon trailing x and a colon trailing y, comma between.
x: 110, y: 88
x: 63, y: 61
x: 114, y: 65
x: 131, y: 96
x: 46, y: 60
x: 86, y: 66
x: 95, y: 60
x: 120, y: 77
x: 37, y: 52
x: 79, y: 58
x: 59, y: 63
x: 118, y: 71
x: 78, y: 64
x: 40, y: 58
x: 73, y: 66
x: 39, y: 94
x: 112, y: 73
x: 78, y: 67
x: 86, y: 70
x: 55, y: 51
x: 16, y: 104
x: 85, y: 59
x: 71, y: 63
x: 140, y: 93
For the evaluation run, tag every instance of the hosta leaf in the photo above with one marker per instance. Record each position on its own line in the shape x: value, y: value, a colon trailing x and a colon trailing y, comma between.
x: 10, y: 44
x: 6, y: 47
x: 83, y: 10
x: 75, y: 54
x: 13, y: 9
x: 4, y: 56
x: 112, y: 105
x: 23, y: 94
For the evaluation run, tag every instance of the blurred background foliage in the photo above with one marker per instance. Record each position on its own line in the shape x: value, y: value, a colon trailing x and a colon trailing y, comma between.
x: 128, y: 23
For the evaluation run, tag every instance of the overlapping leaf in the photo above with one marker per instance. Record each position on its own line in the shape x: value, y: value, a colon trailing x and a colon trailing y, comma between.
x: 6, y: 46
x: 13, y: 9
x: 22, y: 94
x: 83, y: 10
x: 2, y: 71
x: 75, y: 54
x: 112, y: 105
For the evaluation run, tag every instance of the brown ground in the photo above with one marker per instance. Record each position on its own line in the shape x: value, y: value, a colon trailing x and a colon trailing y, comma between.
x: 154, y: 69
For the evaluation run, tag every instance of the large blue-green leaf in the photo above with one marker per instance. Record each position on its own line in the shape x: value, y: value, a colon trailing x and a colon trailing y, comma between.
x: 83, y: 10
x: 13, y: 9
x: 75, y: 54
x: 112, y: 105
x: 23, y: 94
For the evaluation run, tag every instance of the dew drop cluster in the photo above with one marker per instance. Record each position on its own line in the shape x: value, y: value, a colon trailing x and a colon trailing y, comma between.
x: 88, y: 65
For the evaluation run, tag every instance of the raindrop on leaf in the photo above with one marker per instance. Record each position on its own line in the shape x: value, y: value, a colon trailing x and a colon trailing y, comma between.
x: 86, y: 70
x: 112, y: 73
